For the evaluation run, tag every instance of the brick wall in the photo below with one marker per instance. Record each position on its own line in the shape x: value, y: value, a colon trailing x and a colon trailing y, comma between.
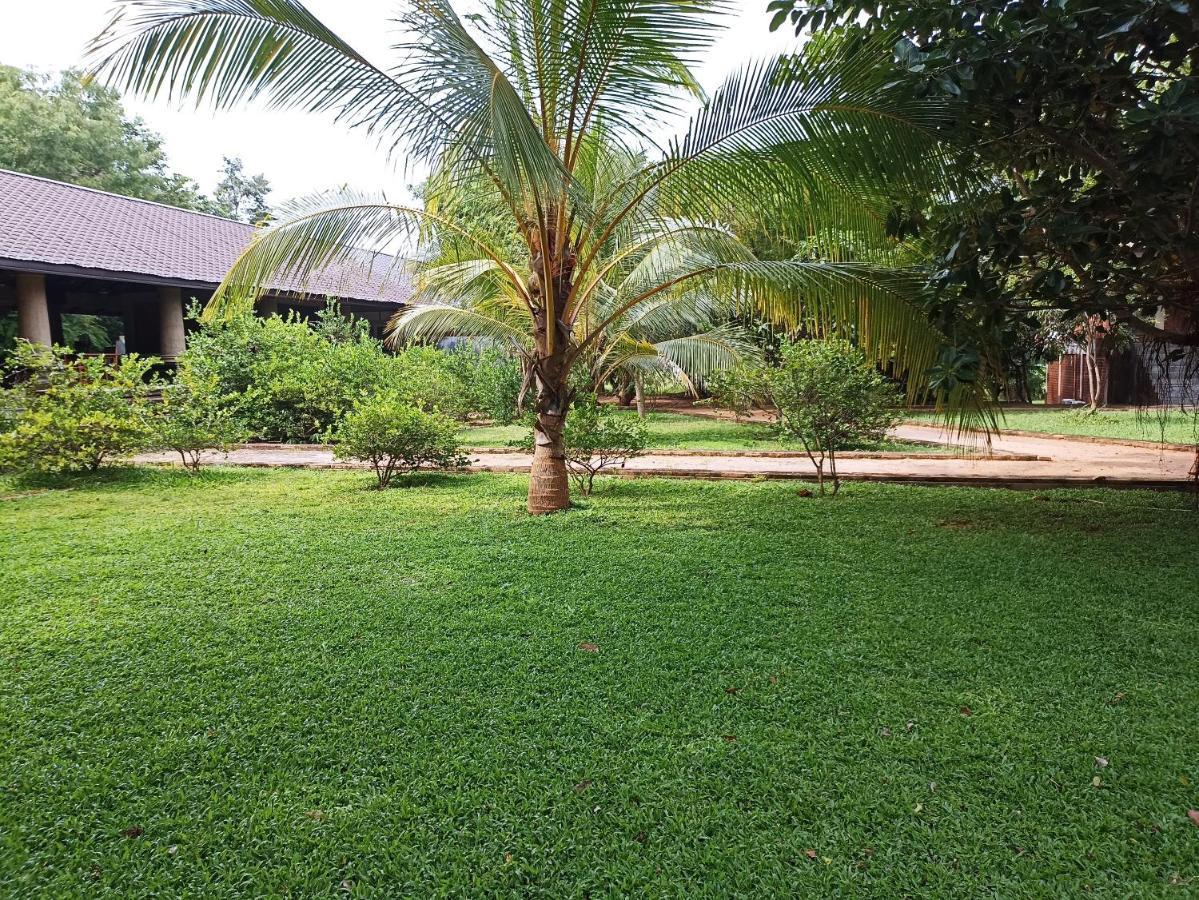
x: 1066, y: 379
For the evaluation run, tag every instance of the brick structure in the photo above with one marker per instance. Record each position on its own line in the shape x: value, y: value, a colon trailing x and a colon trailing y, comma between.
x: 1066, y: 379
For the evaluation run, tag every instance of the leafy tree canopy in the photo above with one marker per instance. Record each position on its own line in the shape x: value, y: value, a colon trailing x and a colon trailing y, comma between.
x: 75, y: 131
x: 1085, y: 120
x: 241, y: 196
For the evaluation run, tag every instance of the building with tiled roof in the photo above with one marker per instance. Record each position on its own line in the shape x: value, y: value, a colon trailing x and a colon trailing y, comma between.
x: 66, y: 249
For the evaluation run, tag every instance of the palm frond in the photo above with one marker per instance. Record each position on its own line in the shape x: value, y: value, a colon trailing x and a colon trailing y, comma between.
x: 229, y: 51
x: 435, y: 321
x: 318, y: 232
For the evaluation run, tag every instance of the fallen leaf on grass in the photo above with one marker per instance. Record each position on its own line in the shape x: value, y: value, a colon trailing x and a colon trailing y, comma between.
x: 1193, y: 815
x: 1119, y: 698
x: 315, y: 814
x: 590, y: 648
x: 1101, y: 762
x: 810, y: 854
x: 729, y: 738
x: 582, y: 785
x: 1096, y: 781
x: 965, y: 711
x: 804, y: 493
x: 732, y: 690
x: 134, y: 831
x: 774, y: 679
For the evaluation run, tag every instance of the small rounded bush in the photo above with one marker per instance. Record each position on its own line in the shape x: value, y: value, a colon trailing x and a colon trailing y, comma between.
x: 396, y: 437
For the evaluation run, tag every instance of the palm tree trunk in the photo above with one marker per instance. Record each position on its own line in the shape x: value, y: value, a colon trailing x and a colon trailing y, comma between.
x: 639, y: 392
x: 549, y: 486
x: 549, y: 483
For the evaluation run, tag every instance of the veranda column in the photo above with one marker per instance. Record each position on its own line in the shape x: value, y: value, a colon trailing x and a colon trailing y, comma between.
x: 33, y: 312
x: 170, y: 315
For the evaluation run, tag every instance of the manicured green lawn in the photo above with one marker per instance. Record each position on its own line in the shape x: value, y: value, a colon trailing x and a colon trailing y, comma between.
x: 1148, y: 425
x: 280, y: 683
x: 674, y: 431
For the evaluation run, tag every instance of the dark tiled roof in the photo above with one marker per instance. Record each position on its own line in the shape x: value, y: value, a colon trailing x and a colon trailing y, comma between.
x: 55, y: 224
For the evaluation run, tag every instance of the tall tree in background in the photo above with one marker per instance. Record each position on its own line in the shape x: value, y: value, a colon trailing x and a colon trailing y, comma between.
x: 240, y: 196
x: 521, y: 96
x: 74, y: 131
x: 1085, y: 120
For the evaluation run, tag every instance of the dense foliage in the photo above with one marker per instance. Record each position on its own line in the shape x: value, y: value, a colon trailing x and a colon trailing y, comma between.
x: 288, y: 381
x: 397, y: 438
x: 68, y: 414
x: 75, y: 130
x: 1084, y: 123
x: 291, y: 379
x: 598, y: 437
x: 823, y: 394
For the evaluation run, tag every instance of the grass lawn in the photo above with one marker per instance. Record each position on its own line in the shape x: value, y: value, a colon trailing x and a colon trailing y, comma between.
x: 280, y: 683
x: 674, y: 431
x: 1149, y: 425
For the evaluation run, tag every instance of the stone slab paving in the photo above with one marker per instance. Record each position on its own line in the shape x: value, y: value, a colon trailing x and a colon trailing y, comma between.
x: 1020, y: 462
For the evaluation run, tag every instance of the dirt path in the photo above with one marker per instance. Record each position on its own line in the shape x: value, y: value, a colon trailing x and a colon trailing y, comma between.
x: 1040, y: 462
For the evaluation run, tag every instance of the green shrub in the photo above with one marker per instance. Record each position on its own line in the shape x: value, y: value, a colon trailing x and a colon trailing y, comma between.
x: 823, y: 394
x: 424, y: 377
x: 69, y: 414
x: 742, y: 389
x: 288, y: 380
x: 492, y: 381
x: 195, y: 416
x: 597, y: 438
x: 292, y: 380
x: 396, y: 437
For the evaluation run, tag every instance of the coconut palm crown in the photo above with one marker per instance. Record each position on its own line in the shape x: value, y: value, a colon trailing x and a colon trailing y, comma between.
x: 551, y: 107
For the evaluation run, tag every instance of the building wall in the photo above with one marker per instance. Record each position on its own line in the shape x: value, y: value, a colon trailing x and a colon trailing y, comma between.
x: 1066, y: 379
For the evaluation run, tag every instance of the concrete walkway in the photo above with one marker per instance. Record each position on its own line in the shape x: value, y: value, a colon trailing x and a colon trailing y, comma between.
x: 1022, y: 461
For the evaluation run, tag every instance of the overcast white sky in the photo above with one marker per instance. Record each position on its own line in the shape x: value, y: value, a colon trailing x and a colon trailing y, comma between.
x: 299, y: 153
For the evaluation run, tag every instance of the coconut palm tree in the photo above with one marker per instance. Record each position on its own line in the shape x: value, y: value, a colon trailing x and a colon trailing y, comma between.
x: 462, y: 292
x: 523, y: 96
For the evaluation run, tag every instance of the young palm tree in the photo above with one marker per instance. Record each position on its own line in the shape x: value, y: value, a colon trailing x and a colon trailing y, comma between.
x: 462, y: 292
x: 523, y: 97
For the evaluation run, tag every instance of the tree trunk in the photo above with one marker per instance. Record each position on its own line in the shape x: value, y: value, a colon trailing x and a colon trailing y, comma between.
x: 549, y: 287
x: 549, y: 485
x: 624, y: 396
x: 1092, y: 373
x: 639, y: 393
x: 549, y: 482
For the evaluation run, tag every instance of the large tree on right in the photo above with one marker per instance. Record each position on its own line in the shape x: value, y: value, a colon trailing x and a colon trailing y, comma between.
x: 1085, y: 119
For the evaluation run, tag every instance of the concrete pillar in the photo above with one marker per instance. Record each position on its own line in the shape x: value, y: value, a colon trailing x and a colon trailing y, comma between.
x: 33, y: 312
x: 170, y: 318
x: 268, y: 306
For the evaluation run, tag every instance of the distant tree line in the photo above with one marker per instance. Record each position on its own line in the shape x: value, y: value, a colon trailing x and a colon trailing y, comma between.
x: 73, y: 130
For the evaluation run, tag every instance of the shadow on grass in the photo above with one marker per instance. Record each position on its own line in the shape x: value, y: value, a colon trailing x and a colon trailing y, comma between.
x: 417, y: 480
x: 113, y: 478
